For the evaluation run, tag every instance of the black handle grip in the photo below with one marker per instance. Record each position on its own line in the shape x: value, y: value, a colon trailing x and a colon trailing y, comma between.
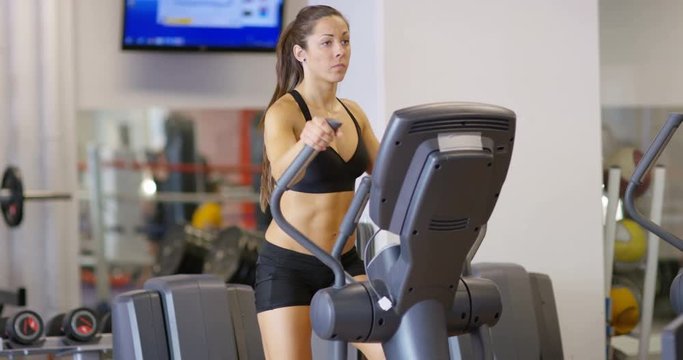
x: 302, y: 160
x: 334, y: 124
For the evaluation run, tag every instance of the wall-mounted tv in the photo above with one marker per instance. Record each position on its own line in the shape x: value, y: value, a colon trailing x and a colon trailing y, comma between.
x: 201, y: 25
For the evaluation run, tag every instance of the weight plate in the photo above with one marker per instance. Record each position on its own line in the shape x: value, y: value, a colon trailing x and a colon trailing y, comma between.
x: 171, y: 251
x: 13, y: 208
x: 224, y: 257
x: 80, y: 325
x: 25, y: 327
x: 54, y: 326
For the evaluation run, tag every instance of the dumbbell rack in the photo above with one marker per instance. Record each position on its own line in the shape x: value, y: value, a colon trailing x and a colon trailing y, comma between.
x: 59, y: 349
x: 644, y: 330
x: 79, y: 334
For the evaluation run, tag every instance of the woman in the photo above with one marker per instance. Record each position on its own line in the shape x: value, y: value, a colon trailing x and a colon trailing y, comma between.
x: 312, y: 58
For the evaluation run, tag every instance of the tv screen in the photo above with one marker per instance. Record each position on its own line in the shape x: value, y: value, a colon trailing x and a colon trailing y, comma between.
x: 203, y: 25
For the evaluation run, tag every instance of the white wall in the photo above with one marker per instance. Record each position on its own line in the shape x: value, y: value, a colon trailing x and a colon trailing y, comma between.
x: 540, y: 59
x: 640, y: 44
x: 37, y: 123
x: 109, y: 78
x: 4, y: 135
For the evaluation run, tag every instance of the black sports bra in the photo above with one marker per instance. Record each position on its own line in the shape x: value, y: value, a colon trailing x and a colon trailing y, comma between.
x: 328, y: 172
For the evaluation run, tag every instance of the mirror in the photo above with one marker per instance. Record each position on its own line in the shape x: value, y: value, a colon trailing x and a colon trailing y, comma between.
x: 165, y: 191
x: 626, y: 134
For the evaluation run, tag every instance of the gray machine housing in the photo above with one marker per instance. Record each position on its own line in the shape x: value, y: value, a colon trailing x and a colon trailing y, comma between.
x: 186, y: 317
x: 437, y: 176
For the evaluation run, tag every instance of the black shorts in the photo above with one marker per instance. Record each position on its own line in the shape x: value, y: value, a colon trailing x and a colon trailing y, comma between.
x: 288, y: 278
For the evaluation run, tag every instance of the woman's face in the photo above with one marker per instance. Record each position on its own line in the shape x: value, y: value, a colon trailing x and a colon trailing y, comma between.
x: 328, y: 49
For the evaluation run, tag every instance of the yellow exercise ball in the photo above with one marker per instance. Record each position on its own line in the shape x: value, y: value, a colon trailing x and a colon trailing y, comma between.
x: 625, y: 310
x: 630, y: 243
x: 208, y: 217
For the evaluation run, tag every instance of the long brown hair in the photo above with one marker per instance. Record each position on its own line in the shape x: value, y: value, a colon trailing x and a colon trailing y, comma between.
x: 290, y: 73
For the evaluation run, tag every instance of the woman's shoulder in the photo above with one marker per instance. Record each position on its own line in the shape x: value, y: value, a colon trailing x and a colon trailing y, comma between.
x: 356, y: 110
x: 283, y: 108
x: 353, y: 106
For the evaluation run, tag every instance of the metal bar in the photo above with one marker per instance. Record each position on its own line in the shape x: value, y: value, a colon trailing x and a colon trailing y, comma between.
x: 651, y: 264
x: 46, y: 195
x: 97, y: 223
x: 198, y: 198
x: 292, y: 172
x: 238, y: 196
x: 288, y: 178
x: 55, y: 345
x: 649, y: 159
x: 6, y: 195
x: 611, y: 224
x: 176, y: 167
x: 350, y: 222
x: 656, y: 148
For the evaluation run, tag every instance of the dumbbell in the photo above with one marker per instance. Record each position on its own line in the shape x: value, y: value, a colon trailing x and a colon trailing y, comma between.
x: 24, y: 328
x: 77, y: 326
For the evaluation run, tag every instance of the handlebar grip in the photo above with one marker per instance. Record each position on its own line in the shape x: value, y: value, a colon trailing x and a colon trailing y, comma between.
x: 302, y: 159
x: 334, y: 124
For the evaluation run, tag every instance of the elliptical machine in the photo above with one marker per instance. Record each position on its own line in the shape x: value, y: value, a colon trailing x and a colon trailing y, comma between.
x: 437, y: 177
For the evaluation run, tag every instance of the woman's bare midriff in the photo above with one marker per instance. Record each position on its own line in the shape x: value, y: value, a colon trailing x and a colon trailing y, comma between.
x: 317, y: 216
